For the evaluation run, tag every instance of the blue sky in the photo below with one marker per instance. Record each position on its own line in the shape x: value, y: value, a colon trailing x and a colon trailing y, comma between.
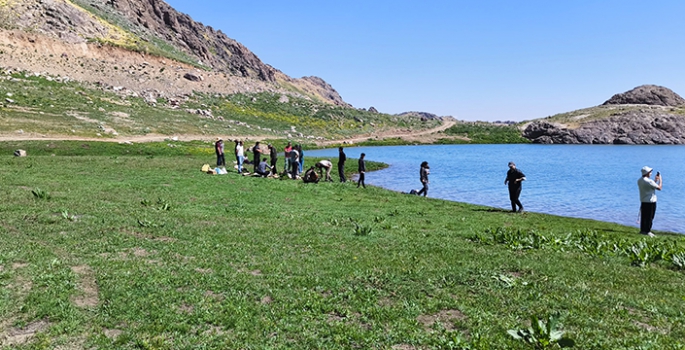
x: 474, y: 60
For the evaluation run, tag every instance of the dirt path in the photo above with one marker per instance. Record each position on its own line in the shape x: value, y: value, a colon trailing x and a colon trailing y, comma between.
x: 423, y: 136
x: 408, y: 135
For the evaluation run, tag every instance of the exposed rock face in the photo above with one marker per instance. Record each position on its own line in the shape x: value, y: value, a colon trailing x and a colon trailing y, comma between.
x: 633, y: 128
x: 213, y: 48
x: 324, y: 89
x: 647, y: 95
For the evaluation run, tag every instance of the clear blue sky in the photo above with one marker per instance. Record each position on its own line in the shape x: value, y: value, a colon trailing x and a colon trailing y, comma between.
x: 474, y: 60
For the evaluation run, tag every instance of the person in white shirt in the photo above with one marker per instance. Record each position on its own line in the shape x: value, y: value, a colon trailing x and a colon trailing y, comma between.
x: 648, y: 189
x: 327, y: 166
x: 240, y: 154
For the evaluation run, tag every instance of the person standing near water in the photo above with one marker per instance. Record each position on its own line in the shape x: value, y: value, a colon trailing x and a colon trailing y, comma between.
x: 256, y: 156
x: 648, y: 189
x: 273, y: 155
x: 341, y: 164
x: 301, y: 161
x: 288, y: 148
x: 423, y: 174
x: 514, y: 178
x: 362, y: 169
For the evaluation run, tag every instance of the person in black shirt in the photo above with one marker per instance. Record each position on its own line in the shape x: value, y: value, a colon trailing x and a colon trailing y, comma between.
x: 341, y: 164
x: 362, y: 169
x: 273, y: 154
x: 256, y: 155
x: 423, y: 174
x: 514, y: 178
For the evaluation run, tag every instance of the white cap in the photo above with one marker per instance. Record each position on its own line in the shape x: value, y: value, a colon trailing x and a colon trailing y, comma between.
x: 646, y: 170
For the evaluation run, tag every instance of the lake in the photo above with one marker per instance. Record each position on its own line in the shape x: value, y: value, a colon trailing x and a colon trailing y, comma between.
x: 585, y: 181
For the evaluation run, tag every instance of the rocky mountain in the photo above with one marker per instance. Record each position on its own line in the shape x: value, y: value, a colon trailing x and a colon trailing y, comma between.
x: 647, y: 95
x: 88, y: 29
x: 646, y: 115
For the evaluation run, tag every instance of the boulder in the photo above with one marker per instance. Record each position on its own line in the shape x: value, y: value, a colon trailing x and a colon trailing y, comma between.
x: 193, y: 77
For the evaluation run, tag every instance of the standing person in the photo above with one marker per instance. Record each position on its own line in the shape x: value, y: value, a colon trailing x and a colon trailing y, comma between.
x: 240, y: 154
x: 423, y: 175
x: 647, y: 188
x: 294, y: 163
x: 362, y: 169
x: 299, y: 149
x: 514, y: 178
x: 235, y: 150
x: 288, y: 148
x: 256, y: 155
x: 273, y: 155
x: 325, y: 165
x: 341, y: 164
x: 219, y: 150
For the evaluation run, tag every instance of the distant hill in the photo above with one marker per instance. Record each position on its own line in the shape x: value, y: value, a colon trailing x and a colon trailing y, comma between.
x: 645, y: 115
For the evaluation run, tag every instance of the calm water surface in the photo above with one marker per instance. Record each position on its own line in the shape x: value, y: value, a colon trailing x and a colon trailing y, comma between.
x: 586, y: 181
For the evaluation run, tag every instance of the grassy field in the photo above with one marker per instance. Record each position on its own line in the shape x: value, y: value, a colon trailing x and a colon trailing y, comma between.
x: 140, y: 250
x: 39, y: 105
x: 487, y: 133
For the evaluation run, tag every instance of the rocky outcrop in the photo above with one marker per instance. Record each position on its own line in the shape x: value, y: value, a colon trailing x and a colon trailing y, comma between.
x: 647, y: 95
x: 641, y: 127
x: 213, y: 48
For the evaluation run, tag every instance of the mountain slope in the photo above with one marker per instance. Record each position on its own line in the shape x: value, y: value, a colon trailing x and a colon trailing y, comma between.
x: 149, y: 27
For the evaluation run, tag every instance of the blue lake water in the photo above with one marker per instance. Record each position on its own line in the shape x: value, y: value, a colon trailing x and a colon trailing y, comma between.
x: 585, y: 181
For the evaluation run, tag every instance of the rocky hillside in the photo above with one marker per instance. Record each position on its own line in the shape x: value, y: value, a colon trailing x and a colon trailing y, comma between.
x: 646, y: 115
x: 137, y: 31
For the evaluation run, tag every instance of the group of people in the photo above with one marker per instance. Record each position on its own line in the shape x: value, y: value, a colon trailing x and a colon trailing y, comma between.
x: 294, y: 162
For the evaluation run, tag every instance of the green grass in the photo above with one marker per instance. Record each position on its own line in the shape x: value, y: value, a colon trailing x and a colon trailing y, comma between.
x: 171, y: 258
x: 73, y: 109
x: 487, y: 133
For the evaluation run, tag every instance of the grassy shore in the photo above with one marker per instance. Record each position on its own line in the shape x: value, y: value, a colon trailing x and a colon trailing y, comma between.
x: 141, y: 250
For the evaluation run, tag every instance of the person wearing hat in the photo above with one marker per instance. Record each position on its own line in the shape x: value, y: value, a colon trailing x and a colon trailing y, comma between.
x: 513, y: 179
x: 648, y: 189
x: 219, y: 149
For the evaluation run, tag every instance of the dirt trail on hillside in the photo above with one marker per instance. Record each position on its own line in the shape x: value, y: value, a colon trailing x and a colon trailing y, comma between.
x: 428, y: 135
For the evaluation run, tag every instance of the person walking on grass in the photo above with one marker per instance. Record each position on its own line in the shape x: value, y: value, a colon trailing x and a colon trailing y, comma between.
x: 648, y: 189
x: 240, y: 155
x: 341, y: 164
x: 362, y: 169
x: 219, y: 150
x: 423, y: 175
x: 514, y: 179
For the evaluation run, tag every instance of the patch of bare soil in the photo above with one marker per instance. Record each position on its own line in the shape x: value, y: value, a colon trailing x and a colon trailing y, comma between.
x: 87, y: 286
x: 404, y: 347
x: 17, y: 336
x: 445, y: 317
x: 204, y: 271
x: 112, y: 333
x: 266, y: 300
